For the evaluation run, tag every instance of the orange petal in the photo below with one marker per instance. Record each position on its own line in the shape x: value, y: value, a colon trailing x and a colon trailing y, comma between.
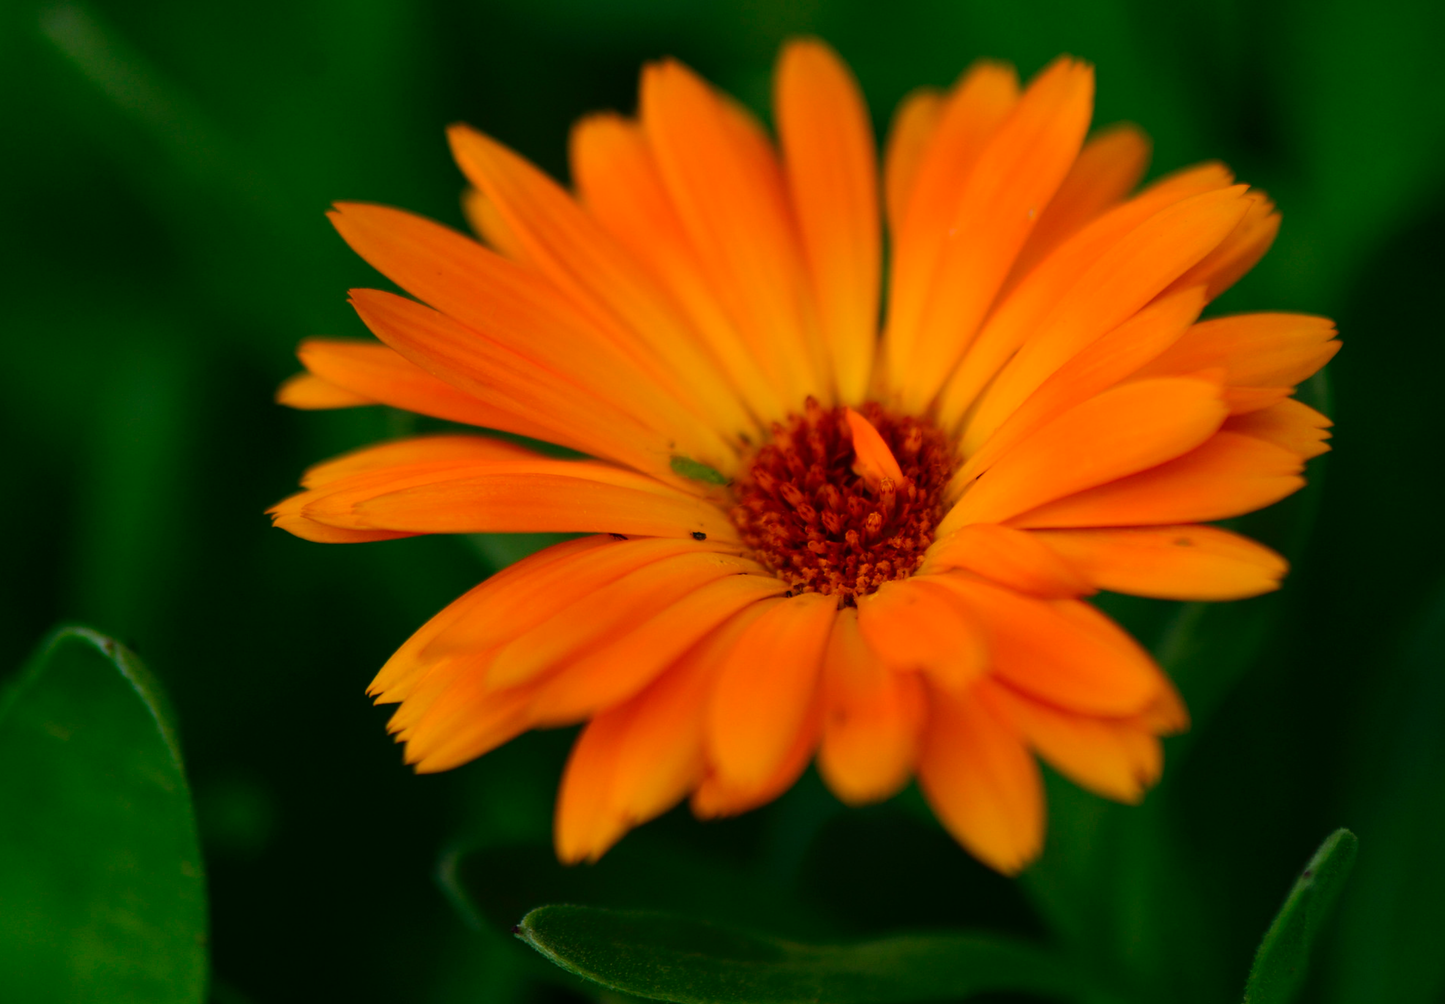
x: 914, y: 122
x: 516, y: 600
x: 472, y: 724
x: 437, y: 677
x: 287, y: 515
x: 719, y: 795
x: 1125, y: 278
x: 724, y: 180
x: 664, y: 753
x: 1107, y: 361
x: 384, y: 376
x: 619, y: 182
x: 311, y: 393
x: 829, y: 161
x: 982, y: 783
x: 1228, y: 476
x: 490, y: 371
x: 873, y: 460
x: 1166, y: 715
x: 522, y: 495
x: 465, y: 728
x: 1009, y: 185
x: 428, y: 456
x: 429, y: 451
x: 595, y: 272
x: 1239, y: 252
x: 1116, y: 758
x: 1062, y: 651
x: 409, y: 662
x: 518, y: 308
x: 1061, y: 283
x: 450, y: 712
x: 1125, y: 429
x: 487, y: 222
x: 584, y: 825
x: 601, y: 678
x: 661, y: 759
x: 636, y: 597
x: 1187, y: 562
x: 1246, y: 400
x: 641, y: 597
x: 1106, y: 171
x: 912, y: 624
x: 546, y: 496
x: 1013, y: 558
x: 1255, y: 350
x: 971, y: 114
x: 872, y: 720
x: 637, y: 760
x: 1291, y: 424
x: 766, y: 688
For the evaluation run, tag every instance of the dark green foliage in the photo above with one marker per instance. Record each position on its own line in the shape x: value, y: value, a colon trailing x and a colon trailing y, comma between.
x: 102, y: 895
x: 664, y: 957
x: 1393, y: 915
x: 496, y: 885
x: 1283, y: 960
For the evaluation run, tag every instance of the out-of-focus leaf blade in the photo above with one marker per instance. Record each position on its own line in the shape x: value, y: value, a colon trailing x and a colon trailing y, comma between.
x: 492, y: 886
x: 664, y: 957
x: 102, y: 896
x: 1282, y: 962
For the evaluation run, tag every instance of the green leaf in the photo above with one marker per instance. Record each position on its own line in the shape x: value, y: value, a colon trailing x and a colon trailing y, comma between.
x: 697, y: 471
x: 492, y: 886
x: 661, y: 956
x: 1282, y: 962
x: 100, y: 869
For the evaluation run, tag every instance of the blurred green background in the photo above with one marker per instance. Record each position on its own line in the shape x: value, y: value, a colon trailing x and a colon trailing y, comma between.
x: 166, y: 166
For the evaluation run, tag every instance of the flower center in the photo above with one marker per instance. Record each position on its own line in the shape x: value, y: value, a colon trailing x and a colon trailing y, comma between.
x: 830, y: 507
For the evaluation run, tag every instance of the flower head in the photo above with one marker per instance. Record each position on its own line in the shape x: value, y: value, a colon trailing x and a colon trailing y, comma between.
x: 812, y: 534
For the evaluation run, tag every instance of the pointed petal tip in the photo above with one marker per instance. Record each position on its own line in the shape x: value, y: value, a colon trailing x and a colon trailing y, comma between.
x: 1011, y: 867
x: 1079, y: 72
x: 571, y: 856
x: 666, y: 66
x: 803, y: 45
x: 874, y: 461
x: 468, y: 141
x: 807, y: 54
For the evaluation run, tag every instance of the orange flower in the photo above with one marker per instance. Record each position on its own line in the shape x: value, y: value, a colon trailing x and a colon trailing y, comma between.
x: 810, y: 538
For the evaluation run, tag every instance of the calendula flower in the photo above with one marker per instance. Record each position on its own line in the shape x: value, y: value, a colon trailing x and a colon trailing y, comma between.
x: 813, y: 533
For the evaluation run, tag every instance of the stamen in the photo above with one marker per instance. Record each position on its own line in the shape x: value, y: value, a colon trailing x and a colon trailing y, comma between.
x: 841, y: 501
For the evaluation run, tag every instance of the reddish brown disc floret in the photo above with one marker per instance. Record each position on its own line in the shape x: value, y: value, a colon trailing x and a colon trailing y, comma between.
x: 820, y: 527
